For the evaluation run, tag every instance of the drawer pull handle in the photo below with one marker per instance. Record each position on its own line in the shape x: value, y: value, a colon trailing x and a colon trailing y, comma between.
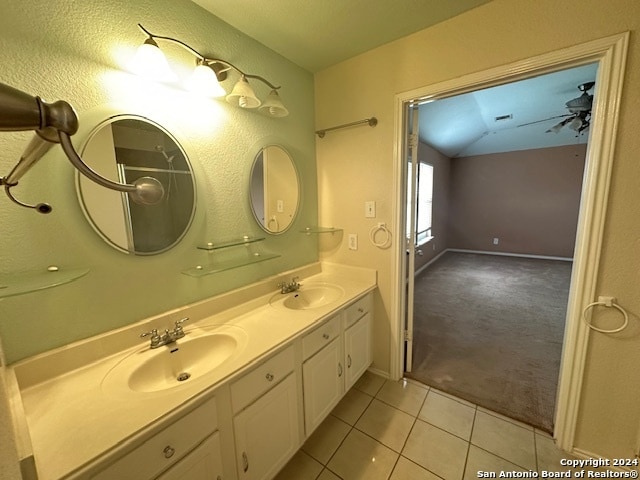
x: 339, y: 369
x: 168, y: 451
x: 348, y: 361
x: 245, y: 462
x: 325, y: 336
x: 270, y: 378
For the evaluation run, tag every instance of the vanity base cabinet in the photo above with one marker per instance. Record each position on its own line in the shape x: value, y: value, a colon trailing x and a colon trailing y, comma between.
x: 357, y: 346
x: 323, y: 385
x: 203, y: 463
x: 266, y: 432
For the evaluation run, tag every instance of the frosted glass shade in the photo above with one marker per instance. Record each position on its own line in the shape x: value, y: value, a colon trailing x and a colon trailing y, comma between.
x: 273, y: 106
x: 242, y: 95
x: 150, y: 62
x: 204, y: 81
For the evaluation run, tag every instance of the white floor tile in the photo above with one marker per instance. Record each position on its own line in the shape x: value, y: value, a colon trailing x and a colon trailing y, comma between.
x: 352, y: 406
x: 436, y: 450
x: 369, y: 383
x: 405, y: 396
x: 549, y: 455
x: 504, y: 439
x: 326, y: 439
x: 405, y: 469
x: 386, y: 424
x: 300, y: 467
x: 360, y: 457
x: 480, y: 460
x: 448, y: 414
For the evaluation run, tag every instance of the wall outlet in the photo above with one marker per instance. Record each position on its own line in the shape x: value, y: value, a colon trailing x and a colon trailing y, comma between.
x: 353, y: 241
x: 496, y: 240
x: 370, y: 209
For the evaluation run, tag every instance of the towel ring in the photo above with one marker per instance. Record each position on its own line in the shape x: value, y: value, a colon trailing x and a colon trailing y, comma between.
x: 381, y: 227
x: 606, y: 304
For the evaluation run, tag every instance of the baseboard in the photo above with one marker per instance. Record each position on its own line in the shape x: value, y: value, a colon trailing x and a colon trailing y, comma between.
x: 380, y: 373
x: 423, y: 267
x: 506, y: 254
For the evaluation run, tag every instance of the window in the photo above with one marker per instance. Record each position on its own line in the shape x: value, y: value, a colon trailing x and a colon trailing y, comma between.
x: 424, y: 201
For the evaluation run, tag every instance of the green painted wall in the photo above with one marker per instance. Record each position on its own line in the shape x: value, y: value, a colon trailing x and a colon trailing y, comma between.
x: 78, y: 51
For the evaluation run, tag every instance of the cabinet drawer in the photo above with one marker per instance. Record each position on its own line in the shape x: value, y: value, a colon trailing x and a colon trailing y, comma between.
x: 261, y: 379
x: 356, y: 310
x: 166, y: 447
x: 321, y: 336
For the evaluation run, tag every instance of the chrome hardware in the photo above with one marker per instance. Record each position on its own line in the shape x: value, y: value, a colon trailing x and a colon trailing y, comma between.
x: 348, y: 361
x: 169, y: 336
x: 269, y: 377
x: 292, y: 286
x: 245, y: 462
x: 168, y: 451
x: 325, y: 336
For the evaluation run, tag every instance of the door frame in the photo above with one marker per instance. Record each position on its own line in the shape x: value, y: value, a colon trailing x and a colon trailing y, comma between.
x: 610, y: 53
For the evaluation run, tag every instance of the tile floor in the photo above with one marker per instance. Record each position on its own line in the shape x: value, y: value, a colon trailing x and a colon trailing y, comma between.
x: 407, y: 431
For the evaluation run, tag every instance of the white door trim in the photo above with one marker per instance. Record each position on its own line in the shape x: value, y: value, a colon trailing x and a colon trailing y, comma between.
x: 610, y: 53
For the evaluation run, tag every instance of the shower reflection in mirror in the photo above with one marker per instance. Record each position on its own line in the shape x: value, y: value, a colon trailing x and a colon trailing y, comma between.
x: 274, y: 189
x: 125, y: 148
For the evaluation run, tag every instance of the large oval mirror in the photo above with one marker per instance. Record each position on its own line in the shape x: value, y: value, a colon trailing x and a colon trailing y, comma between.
x: 274, y: 189
x: 123, y: 149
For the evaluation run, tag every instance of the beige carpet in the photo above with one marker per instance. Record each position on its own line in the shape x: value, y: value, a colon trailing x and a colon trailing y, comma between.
x: 489, y: 329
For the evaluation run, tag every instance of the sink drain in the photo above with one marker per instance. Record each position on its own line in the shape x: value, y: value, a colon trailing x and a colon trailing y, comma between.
x: 183, y: 376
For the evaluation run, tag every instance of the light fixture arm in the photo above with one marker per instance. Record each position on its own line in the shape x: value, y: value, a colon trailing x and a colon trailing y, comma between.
x: 55, y: 123
x: 212, y: 62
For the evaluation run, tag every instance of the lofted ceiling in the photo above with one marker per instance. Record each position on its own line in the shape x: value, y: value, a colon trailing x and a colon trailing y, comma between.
x: 316, y: 35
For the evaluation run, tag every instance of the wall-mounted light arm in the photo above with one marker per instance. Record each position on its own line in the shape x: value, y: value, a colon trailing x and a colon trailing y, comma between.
x: 55, y: 123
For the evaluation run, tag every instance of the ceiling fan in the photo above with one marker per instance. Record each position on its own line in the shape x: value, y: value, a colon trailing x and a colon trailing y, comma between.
x: 579, y: 116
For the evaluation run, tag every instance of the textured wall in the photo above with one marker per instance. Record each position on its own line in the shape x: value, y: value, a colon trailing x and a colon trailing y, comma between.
x: 78, y: 51
x: 357, y: 165
x: 529, y: 199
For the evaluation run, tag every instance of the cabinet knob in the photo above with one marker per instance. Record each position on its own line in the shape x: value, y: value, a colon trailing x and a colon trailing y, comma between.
x: 360, y: 309
x: 325, y: 336
x: 269, y: 377
x: 168, y: 451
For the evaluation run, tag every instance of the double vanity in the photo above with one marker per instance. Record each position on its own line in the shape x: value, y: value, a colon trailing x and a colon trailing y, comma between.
x: 254, y: 374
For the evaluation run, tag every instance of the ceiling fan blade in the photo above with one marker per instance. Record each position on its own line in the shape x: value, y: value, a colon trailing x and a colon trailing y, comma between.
x: 545, y: 120
x: 558, y: 126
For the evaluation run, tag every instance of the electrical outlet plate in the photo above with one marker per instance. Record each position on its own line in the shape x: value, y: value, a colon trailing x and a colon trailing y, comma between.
x: 353, y: 241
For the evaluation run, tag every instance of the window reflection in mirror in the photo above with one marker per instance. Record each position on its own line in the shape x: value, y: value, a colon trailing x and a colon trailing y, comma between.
x: 274, y: 189
x: 123, y: 149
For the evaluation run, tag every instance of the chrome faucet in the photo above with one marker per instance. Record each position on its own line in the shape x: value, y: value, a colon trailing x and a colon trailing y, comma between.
x: 169, y: 336
x: 292, y: 286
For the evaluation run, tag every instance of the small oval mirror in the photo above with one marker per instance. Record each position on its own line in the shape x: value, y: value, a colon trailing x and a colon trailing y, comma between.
x: 274, y: 189
x: 123, y: 149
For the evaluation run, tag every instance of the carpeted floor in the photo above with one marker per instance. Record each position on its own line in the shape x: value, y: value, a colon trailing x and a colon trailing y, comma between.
x: 489, y: 329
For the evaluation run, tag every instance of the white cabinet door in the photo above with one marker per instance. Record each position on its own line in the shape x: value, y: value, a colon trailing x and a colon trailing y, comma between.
x: 267, y: 432
x: 357, y: 347
x: 203, y: 463
x: 323, y: 383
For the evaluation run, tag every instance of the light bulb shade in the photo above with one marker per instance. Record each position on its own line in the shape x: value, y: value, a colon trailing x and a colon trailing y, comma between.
x: 150, y: 62
x: 243, y: 95
x: 204, y: 81
x: 273, y: 106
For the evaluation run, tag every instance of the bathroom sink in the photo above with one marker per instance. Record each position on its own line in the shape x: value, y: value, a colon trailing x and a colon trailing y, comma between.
x: 309, y: 296
x: 174, y: 365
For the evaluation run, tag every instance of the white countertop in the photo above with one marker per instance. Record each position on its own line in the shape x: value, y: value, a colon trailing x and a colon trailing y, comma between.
x: 72, y: 418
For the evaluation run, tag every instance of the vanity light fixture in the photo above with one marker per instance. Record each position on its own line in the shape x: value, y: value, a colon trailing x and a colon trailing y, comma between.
x: 208, y: 74
x: 55, y: 123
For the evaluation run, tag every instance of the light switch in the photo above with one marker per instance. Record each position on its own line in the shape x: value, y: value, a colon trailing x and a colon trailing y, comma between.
x: 370, y: 209
x: 280, y: 206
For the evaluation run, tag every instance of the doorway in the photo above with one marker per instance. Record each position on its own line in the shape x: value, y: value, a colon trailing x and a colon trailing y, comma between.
x: 495, y: 232
x: 608, y: 53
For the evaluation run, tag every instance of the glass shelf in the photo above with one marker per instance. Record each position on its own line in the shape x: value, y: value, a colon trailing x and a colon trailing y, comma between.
x: 22, y: 283
x: 316, y: 230
x: 202, y: 270
x: 231, y: 243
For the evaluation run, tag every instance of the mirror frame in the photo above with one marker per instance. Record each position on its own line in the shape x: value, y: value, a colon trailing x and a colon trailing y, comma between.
x: 79, y: 178
x: 298, y: 182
